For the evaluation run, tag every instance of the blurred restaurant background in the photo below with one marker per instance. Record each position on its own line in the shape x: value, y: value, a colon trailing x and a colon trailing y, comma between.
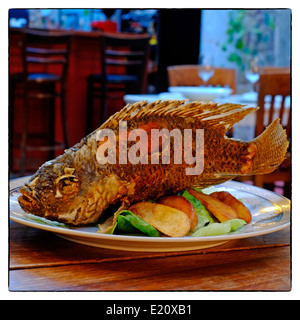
x: 71, y: 69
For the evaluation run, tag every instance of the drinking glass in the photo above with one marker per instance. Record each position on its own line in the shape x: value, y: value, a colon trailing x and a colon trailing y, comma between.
x: 206, y: 69
x: 252, y: 72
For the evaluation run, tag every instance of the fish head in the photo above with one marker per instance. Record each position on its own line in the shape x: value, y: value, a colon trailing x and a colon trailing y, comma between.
x: 63, y: 191
x: 52, y: 190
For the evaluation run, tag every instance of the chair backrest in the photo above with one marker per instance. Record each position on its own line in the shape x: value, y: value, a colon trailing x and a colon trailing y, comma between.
x: 273, y: 91
x: 275, y: 70
x: 42, y: 49
x: 187, y: 75
x: 128, y: 53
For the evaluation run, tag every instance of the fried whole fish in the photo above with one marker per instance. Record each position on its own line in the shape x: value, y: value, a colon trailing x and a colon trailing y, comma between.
x: 76, y: 188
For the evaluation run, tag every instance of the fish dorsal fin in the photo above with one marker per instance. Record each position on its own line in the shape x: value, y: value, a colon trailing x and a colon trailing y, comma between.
x: 143, y: 108
x: 221, y: 116
x: 224, y: 116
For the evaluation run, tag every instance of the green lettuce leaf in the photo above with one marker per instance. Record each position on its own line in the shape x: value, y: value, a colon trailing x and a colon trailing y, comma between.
x: 204, y: 217
x: 237, y: 224
x: 130, y: 223
x: 216, y: 229
x: 42, y: 220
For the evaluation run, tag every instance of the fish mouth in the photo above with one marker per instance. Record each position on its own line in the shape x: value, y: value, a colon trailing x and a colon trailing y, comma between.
x: 29, y: 200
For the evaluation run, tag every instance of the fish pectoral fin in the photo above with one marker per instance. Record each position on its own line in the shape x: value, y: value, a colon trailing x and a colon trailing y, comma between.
x: 108, y: 225
x: 218, y: 178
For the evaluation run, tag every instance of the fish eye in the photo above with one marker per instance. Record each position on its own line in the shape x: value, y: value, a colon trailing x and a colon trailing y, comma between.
x: 68, y: 185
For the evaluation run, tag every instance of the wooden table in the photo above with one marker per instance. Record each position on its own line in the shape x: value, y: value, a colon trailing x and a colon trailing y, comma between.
x: 41, y: 261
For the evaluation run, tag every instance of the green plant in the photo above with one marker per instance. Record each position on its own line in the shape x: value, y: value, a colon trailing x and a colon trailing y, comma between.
x: 249, y: 34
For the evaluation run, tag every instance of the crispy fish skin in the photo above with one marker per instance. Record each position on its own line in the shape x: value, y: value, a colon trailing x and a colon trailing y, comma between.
x: 74, y: 188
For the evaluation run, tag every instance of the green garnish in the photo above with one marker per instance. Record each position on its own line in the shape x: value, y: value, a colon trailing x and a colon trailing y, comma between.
x: 216, y: 229
x: 130, y: 223
x: 204, y: 217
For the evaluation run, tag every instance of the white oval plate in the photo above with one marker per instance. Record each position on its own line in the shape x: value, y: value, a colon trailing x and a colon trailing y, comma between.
x: 270, y: 213
x: 201, y: 93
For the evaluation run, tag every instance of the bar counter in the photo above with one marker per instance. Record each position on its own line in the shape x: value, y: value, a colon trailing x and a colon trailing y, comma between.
x: 84, y: 60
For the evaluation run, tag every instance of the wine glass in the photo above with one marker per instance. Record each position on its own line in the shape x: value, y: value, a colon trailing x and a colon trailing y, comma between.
x: 206, y: 69
x: 252, y: 72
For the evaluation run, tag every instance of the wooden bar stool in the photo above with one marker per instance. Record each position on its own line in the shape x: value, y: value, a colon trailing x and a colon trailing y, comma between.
x: 45, y: 56
x: 124, y: 62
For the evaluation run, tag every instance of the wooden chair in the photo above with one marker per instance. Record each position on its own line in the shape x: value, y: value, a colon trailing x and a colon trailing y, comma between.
x: 124, y: 61
x: 271, y: 70
x: 187, y: 75
x: 272, y: 85
x: 275, y: 70
x: 45, y: 56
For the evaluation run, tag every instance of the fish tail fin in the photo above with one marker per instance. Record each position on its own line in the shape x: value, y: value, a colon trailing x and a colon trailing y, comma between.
x: 271, y: 147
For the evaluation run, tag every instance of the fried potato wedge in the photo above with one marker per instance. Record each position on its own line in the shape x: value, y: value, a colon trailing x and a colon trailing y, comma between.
x: 241, y: 210
x: 182, y: 204
x: 219, y: 209
x: 170, y: 221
